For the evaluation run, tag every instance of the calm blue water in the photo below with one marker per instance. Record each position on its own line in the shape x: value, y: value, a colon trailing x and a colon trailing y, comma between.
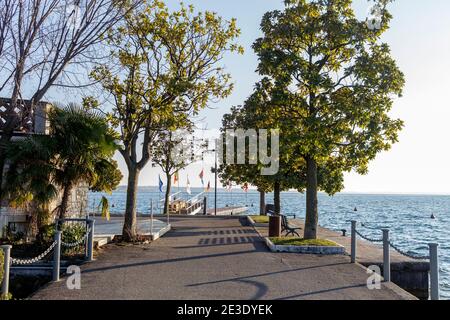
x: 408, y: 217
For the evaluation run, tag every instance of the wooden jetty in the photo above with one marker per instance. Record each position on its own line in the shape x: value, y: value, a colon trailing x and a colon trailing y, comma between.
x: 228, y: 211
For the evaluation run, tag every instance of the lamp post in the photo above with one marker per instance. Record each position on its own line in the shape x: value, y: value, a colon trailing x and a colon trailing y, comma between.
x: 215, y: 171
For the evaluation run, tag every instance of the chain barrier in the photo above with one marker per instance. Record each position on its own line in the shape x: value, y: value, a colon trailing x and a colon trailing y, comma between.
x: 77, y: 243
x: 396, y: 248
x: 364, y: 225
x: 36, y: 259
x: 367, y: 238
x: 406, y: 254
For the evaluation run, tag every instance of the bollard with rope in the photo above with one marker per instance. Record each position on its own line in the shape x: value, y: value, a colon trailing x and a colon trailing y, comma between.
x: 386, y: 256
x: 353, y: 245
x: 90, y: 242
x: 57, y: 257
x: 433, y: 256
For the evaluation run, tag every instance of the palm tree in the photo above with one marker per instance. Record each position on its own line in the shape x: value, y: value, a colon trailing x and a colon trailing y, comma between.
x: 78, y: 150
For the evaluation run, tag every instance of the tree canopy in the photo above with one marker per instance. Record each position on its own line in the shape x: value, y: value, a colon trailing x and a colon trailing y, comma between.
x: 334, y: 83
x: 165, y: 67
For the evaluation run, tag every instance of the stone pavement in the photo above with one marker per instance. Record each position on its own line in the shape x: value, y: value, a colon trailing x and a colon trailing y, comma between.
x: 217, y: 258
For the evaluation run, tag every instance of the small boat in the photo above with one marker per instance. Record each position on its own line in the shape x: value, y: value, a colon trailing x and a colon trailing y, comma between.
x: 432, y: 216
x: 356, y: 209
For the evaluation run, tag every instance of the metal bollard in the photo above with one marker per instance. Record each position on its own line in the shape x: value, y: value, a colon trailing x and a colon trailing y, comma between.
x: 353, y: 246
x: 386, y: 256
x: 57, y: 257
x: 434, y: 271
x: 7, y: 253
x: 90, y: 243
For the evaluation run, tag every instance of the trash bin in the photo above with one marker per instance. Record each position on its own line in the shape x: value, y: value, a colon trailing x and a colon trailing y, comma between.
x: 275, y: 226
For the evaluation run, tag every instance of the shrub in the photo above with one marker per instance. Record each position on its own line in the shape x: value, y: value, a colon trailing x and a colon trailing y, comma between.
x: 292, y: 241
x: 71, y: 233
x: 260, y: 219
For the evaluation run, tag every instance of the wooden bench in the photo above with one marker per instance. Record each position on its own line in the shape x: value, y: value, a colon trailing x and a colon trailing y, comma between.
x: 286, y: 226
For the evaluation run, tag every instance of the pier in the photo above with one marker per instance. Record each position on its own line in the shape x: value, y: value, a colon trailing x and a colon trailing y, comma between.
x: 229, y: 211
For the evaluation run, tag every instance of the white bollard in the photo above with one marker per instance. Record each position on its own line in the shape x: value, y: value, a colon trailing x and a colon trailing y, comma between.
x: 386, y: 256
x: 434, y: 271
x: 7, y: 262
x: 57, y: 257
x: 90, y: 242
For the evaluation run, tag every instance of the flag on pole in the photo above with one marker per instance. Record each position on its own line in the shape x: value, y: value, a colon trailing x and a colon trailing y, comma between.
x: 176, y: 178
x: 245, y: 187
x: 188, y: 186
x: 201, y: 176
x: 161, y: 184
x: 208, y: 187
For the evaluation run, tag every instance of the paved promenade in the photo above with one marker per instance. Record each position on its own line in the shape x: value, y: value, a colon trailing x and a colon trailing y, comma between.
x: 216, y: 258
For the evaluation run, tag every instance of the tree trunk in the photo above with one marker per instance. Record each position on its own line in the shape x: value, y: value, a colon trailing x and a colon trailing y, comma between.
x: 312, y: 216
x: 167, y: 195
x: 129, y: 232
x: 65, y: 201
x: 276, y: 197
x: 262, y: 203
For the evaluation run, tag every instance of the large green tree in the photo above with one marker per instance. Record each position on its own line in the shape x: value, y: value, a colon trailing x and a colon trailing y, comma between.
x: 336, y: 81
x: 164, y: 63
x: 260, y: 111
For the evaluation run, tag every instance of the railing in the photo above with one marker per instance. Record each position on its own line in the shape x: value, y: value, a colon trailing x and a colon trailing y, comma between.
x: 172, y: 197
x: 56, y: 245
x: 387, y: 245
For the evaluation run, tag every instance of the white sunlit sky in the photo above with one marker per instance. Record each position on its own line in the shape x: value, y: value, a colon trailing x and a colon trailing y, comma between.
x: 420, y: 41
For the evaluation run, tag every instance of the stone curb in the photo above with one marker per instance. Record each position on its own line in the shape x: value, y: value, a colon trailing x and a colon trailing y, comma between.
x: 337, y: 250
x: 160, y: 233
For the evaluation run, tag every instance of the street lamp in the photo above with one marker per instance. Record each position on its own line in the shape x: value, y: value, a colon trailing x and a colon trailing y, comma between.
x: 215, y: 171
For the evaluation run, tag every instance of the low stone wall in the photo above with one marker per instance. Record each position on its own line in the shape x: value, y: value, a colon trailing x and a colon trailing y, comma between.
x: 412, y: 276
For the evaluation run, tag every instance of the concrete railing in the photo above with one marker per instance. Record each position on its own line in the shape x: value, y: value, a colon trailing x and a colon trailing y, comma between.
x: 56, y: 246
x: 387, y: 245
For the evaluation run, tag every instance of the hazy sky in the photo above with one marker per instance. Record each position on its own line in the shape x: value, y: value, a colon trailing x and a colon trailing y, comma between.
x: 420, y: 42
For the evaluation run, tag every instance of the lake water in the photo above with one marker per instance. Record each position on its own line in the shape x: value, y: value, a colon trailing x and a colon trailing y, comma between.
x: 407, y: 216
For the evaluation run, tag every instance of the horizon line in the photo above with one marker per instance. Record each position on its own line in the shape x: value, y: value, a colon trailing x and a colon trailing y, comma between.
x: 349, y: 192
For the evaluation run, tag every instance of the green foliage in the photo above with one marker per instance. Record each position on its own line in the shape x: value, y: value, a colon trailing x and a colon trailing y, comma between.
x: 332, y: 84
x: 13, y: 237
x: 164, y: 68
x: 71, y: 233
x: 79, y: 150
x: 333, y: 81
x: 104, y: 208
x: 292, y: 241
x: 260, y: 219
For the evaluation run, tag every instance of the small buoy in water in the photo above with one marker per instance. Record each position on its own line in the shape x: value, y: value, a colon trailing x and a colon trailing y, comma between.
x: 356, y: 209
x: 432, y: 216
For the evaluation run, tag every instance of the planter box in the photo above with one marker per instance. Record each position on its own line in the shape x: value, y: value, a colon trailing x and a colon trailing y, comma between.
x: 324, y: 250
x: 258, y: 225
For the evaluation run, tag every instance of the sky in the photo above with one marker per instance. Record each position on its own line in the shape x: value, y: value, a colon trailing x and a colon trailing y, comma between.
x: 420, y: 41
